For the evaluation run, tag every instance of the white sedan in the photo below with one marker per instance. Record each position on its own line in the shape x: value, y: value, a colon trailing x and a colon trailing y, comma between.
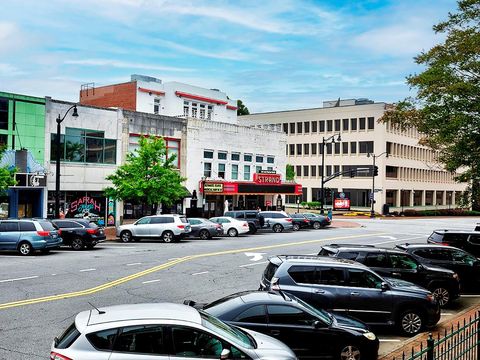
x: 231, y: 227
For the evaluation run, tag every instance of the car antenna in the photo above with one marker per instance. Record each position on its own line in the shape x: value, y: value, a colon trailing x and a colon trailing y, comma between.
x: 100, y: 312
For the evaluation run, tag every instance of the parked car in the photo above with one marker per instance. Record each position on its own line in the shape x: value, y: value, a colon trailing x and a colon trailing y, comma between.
x: 318, y: 221
x: 204, y: 228
x: 79, y: 233
x: 311, y: 333
x: 463, y: 263
x: 353, y: 289
x: 161, y: 331
x: 465, y: 240
x: 28, y: 235
x: 276, y: 220
x: 252, y: 217
x: 232, y: 227
x: 300, y: 221
x: 443, y: 283
x: 169, y: 228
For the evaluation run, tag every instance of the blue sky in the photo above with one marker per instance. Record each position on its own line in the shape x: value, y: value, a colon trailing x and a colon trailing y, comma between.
x: 272, y: 54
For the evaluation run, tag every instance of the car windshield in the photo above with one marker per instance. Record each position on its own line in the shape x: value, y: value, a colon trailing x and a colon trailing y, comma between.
x: 232, y: 334
x: 323, y: 315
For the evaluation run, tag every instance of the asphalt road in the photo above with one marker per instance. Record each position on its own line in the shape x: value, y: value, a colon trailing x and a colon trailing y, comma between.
x: 40, y: 295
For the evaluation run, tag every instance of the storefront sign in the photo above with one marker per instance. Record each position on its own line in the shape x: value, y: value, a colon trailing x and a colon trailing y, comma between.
x: 267, y: 178
x: 268, y: 203
x: 341, y: 204
x: 213, y: 187
x: 267, y: 172
x: 85, y: 204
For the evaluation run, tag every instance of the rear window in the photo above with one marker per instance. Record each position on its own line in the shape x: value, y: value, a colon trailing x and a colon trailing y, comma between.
x: 325, y: 252
x: 102, y: 340
x: 349, y: 255
x: 270, y: 271
x: 453, y: 238
x: 67, y: 338
x: 302, y: 274
x: 184, y: 219
x: 47, y: 225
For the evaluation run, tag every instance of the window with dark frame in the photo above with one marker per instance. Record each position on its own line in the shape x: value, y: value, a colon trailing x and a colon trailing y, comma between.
x: 365, y: 147
x: 371, y: 123
x: 299, y: 149
x: 299, y: 127
x: 362, y: 123
x: 328, y: 170
x: 306, y: 148
x: 353, y: 147
x: 336, y: 169
x: 314, y: 148
x: 305, y: 170
x: 345, y: 124
x: 298, y: 171
x: 306, y: 127
x: 329, y: 125
x: 3, y: 114
x: 292, y: 128
x: 292, y: 149
x: 313, y: 170
x: 337, y: 124
x: 337, y: 148
x: 329, y: 148
x: 345, y: 148
x: 314, y: 126
x: 285, y: 128
x: 321, y: 125
x: 353, y: 124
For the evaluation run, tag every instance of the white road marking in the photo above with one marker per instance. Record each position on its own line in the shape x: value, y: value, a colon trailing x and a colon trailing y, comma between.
x: 151, y: 281
x: 388, y: 237
x: 446, y: 314
x: 133, y: 264
x: 398, y: 240
x: 54, y: 274
x: 255, y: 256
x: 470, y: 295
x: 258, y: 263
x: 173, y: 259
x: 200, y: 273
x: 17, y: 279
x: 389, y: 340
x: 85, y: 270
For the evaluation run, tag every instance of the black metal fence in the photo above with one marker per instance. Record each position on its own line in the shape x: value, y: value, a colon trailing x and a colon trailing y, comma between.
x: 457, y: 343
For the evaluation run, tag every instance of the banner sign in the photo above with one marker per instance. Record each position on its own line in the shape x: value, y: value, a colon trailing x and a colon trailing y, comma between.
x: 341, y: 204
x: 213, y: 187
x: 267, y: 172
x: 267, y: 178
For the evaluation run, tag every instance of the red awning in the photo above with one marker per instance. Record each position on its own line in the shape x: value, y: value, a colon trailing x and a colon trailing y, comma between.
x: 156, y: 92
x: 200, y: 98
x: 230, y: 107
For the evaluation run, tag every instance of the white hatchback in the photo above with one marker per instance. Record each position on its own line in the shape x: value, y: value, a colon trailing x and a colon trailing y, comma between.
x: 161, y: 331
x: 232, y: 227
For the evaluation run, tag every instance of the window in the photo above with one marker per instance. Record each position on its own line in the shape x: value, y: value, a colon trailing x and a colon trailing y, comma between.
x: 194, y: 110
x: 337, y: 148
x: 8, y: 226
x: 353, y: 147
x: 299, y: 127
x: 292, y: 128
x: 247, y: 157
x: 463, y: 257
x: 371, y: 123
x: 435, y: 254
x: 329, y: 148
x: 193, y: 343
x: 202, y: 111
x: 270, y: 159
x: 102, y: 340
x: 285, y: 128
x: 143, y: 221
x: 314, y: 148
x: 306, y: 127
x: 282, y: 314
x: 362, y: 123
x: 258, y: 169
x: 27, y: 226
x: 207, y: 154
x: 328, y: 170
x: 322, y: 125
x: 299, y: 149
x: 221, y: 171
x: 337, y: 124
x: 235, y: 157
x: 246, y: 172
x: 348, y: 255
x: 365, y: 147
x: 345, y: 148
x: 314, y: 126
x: 313, y: 170
x: 302, y: 274
x: 330, y: 276
x: 156, y: 105
x: 329, y: 125
x: 364, y: 279
x: 94, y: 153
x: 336, y: 169
x: 207, y: 169
x: 305, y: 170
x: 259, y: 159
x: 345, y: 124
x: 255, y: 314
x: 3, y: 114
x: 400, y: 261
x: 186, y: 107
x: 298, y: 171
x: 376, y: 260
x: 68, y: 337
x: 291, y: 149
x: 353, y: 124
x: 222, y: 155
x: 234, y: 172
x: 306, y: 148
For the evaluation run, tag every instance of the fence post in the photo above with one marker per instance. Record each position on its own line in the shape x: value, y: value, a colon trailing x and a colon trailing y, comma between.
x: 430, y: 347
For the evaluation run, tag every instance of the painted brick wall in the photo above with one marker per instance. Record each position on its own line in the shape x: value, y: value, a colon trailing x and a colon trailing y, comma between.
x: 119, y: 95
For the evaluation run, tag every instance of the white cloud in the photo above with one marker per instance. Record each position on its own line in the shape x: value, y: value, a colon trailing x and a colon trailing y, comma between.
x: 124, y: 64
x: 9, y: 70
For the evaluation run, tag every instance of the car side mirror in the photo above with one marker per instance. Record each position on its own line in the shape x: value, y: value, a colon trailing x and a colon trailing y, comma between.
x: 385, y: 286
x: 317, y: 324
x: 420, y: 267
x: 225, y: 354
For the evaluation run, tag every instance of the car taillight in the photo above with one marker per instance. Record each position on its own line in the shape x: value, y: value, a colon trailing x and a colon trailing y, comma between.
x: 59, y: 232
x: 91, y: 231
x: 181, y: 226
x: 219, y: 226
x: 274, y: 284
x: 43, y: 233
x: 56, y: 356
x: 306, y: 220
x: 245, y: 224
x: 289, y: 219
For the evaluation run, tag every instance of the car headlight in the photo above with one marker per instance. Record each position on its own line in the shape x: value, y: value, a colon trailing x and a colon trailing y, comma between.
x: 369, y: 335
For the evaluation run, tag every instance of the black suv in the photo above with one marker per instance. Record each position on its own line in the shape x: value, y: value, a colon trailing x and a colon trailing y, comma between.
x: 79, y: 233
x: 443, y: 283
x: 465, y: 240
x: 300, y: 326
x: 254, y: 220
x: 353, y: 289
x: 463, y: 263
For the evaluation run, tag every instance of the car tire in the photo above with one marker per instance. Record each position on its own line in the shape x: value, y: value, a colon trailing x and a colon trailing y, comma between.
x: 204, y: 235
x: 296, y: 227
x: 410, y: 322
x: 25, y: 248
x: 442, y: 294
x: 126, y: 236
x: 317, y: 225
x: 277, y: 228
x: 349, y: 352
x: 252, y: 228
x: 232, y: 232
x: 168, y: 236
x: 77, y: 243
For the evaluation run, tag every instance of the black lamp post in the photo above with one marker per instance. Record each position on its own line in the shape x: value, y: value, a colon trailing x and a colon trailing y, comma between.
x: 372, y: 196
x: 57, y: 158
x: 324, y: 143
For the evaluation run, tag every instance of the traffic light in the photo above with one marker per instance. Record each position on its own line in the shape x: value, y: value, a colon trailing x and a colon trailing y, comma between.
x: 375, y: 171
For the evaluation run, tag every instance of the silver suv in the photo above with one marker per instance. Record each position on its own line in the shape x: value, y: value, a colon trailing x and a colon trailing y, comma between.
x: 276, y: 220
x: 169, y: 228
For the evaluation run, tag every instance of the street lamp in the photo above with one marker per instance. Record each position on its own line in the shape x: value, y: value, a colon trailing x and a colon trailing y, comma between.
x: 324, y: 143
x: 298, y: 204
x: 374, y: 170
x: 57, y: 158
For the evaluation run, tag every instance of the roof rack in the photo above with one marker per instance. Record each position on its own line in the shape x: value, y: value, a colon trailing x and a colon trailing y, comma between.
x: 351, y: 245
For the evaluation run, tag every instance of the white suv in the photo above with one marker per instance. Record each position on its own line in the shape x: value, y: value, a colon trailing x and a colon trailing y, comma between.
x: 169, y: 228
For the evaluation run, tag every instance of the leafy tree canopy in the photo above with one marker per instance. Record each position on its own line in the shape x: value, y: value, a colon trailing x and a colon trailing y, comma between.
x: 446, y: 108
x: 147, y: 176
x: 241, y: 108
x: 7, y: 175
x: 290, y: 172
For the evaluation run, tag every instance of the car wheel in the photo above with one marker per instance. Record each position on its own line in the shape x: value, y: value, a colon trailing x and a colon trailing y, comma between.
x: 204, y: 234
x: 296, y: 227
x: 350, y: 352
x: 442, y: 295
x: 317, y: 225
x: 410, y: 322
x: 25, y: 248
x: 126, y: 236
x: 277, y: 228
x: 232, y: 232
x: 167, y: 237
x: 77, y: 243
x: 252, y: 228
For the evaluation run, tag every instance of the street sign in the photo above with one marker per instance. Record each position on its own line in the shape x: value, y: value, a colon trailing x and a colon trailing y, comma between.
x: 342, y: 195
x: 378, y: 190
x: 341, y: 204
x: 371, y: 196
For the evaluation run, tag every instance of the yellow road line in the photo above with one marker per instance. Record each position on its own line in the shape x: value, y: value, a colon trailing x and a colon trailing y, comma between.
x: 164, y: 266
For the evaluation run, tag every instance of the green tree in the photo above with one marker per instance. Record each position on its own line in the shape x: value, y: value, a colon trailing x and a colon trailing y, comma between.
x: 446, y: 107
x: 7, y: 175
x: 241, y: 108
x: 290, y: 172
x: 147, y: 176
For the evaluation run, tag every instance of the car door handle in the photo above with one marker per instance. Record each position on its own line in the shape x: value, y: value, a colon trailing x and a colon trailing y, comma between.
x: 355, y: 293
x: 275, y: 332
x: 396, y: 274
x: 319, y: 291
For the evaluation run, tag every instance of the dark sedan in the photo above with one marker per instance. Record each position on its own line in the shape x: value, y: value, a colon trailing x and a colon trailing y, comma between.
x: 204, y: 228
x: 300, y: 221
x: 79, y: 233
x: 317, y: 221
x: 311, y: 333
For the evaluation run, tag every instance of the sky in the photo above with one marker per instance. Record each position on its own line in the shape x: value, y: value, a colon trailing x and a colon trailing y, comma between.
x: 271, y: 54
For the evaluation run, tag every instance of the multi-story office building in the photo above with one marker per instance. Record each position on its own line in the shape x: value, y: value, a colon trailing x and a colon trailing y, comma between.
x: 409, y: 177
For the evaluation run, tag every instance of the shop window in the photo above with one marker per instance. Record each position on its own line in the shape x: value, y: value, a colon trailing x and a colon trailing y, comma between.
x: 270, y: 159
x: 221, y: 171
x: 247, y: 158
x: 4, y: 114
x: 207, y: 154
x: 259, y: 159
x: 353, y: 124
x: 345, y: 124
x: 222, y: 155
x: 207, y: 170
x: 234, y: 172
x: 371, y: 123
x: 246, y: 172
x: 362, y: 123
x: 235, y: 157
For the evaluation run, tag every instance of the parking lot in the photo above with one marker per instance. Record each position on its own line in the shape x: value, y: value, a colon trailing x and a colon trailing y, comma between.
x: 53, y: 288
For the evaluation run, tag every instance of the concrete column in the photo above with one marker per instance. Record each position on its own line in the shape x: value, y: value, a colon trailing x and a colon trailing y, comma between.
x: 411, y: 197
x: 399, y: 198
x: 434, y: 197
x: 444, y: 198
x: 453, y: 200
x: 424, y: 193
